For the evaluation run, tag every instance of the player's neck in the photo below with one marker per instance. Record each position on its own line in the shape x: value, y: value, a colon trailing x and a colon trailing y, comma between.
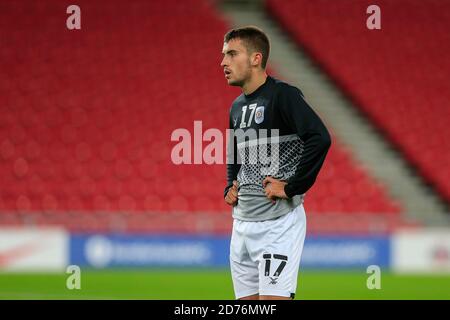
x: 255, y: 82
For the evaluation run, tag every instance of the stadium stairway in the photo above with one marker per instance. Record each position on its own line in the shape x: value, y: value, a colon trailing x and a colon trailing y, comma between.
x: 396, y: 76
x: 346, y: 122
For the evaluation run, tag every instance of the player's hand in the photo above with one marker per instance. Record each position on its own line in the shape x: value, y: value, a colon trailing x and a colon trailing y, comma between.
x: 274, y: 189
x: 232, y: 195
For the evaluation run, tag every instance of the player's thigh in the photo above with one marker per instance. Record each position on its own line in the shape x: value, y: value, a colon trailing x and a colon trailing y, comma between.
x: 245, y: 277
x: 280, y: 257
x: 244, y: 271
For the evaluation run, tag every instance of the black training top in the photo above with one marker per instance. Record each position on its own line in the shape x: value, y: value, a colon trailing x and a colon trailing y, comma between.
x: 296, y: 155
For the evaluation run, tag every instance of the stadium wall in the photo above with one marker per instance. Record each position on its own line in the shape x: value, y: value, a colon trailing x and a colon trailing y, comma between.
x: 50, y: 249
x: 30, y: 249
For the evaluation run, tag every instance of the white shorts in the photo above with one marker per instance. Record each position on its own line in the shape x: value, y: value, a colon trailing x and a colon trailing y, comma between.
x: 265, y: 255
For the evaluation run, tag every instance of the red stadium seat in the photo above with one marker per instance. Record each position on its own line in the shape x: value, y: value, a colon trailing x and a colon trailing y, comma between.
x: 85, y: 130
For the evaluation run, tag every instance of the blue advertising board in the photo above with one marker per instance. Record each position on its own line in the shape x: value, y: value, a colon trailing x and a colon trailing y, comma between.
x: 346, y: 252
x: 130, y: 250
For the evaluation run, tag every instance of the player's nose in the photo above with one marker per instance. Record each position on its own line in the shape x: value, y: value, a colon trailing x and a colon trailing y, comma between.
x: 223, y: 63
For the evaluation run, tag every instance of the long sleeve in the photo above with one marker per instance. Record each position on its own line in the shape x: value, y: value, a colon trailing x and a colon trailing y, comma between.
x: 232, y: 164
x: 300, y: 117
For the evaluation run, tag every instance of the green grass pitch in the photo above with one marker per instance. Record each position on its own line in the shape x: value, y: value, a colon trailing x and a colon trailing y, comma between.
x: 215, y: 284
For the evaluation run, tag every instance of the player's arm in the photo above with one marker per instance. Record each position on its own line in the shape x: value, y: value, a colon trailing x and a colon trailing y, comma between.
x: 299, y: 116
x: 233, y: 167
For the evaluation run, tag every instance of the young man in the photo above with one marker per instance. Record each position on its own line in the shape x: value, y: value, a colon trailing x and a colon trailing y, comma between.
x: 269, y: 223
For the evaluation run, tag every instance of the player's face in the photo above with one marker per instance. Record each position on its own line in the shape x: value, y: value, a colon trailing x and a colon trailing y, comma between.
x: 236, y: 63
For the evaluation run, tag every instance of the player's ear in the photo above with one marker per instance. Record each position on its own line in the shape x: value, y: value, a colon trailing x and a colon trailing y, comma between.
x: 256, y: 59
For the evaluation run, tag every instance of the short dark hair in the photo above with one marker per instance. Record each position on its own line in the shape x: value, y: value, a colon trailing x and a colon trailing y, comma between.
x: 254, y: 40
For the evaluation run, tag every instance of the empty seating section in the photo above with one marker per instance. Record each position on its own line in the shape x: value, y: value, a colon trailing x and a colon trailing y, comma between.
x: 398, y: 75
x: 87, y: 115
